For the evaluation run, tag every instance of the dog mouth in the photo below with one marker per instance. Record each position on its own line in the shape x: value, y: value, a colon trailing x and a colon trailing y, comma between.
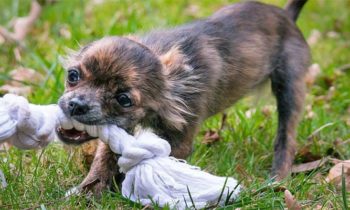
x: 73, y: 136
x: 77, y: 133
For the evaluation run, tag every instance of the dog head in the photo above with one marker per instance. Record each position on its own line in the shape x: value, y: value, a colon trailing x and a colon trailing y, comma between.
x: 117, y: 81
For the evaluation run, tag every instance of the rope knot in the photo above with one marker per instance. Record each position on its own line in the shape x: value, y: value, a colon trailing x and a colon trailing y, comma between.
x: 145, y: 145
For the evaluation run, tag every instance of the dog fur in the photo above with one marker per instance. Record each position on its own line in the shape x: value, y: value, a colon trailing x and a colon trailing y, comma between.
x: 179, y: 77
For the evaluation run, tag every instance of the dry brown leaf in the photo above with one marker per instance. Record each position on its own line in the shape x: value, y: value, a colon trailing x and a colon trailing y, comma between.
x: 335, y: 174
x: 22, y: 74
x: 5, y: 146
x: 305, y: 155
x: 22, y: 91
x: 210, y: 137
x: 19, y: 77
x: 308, y: 166
x: 291, y: 202
x: 22, y: 25
x: 335, y: 161
x: 312, y: 73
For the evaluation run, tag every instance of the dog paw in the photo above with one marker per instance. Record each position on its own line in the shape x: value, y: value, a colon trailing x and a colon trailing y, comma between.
x: 90, y: 187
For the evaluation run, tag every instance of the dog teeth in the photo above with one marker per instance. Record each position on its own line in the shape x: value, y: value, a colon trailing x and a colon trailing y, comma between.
x: 91, y: 130
x: 78, y: 126
x: 77, y: 137
x: 103, y: 133
x: 65, y: 123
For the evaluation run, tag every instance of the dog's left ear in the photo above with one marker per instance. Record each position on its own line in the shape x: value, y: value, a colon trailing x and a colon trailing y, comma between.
x: 174, y: 68
x: 174, y: 61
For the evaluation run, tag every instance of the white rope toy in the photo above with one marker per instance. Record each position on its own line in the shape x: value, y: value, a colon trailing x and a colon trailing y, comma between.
x: 150, y: 174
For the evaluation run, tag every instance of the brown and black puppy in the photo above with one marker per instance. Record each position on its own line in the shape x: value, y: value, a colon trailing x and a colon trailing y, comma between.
x: 172, y: 80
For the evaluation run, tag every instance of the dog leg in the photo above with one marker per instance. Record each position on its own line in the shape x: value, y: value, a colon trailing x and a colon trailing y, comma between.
x: 289, y: 88
x: 182, y: 143
x: 104, y: 172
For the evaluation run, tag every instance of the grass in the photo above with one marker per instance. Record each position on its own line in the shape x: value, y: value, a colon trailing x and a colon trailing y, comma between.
x: 39, y: 179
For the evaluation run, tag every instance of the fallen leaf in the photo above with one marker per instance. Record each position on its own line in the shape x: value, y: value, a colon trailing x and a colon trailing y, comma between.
x: 22, y: 25
x: 291, y: 202
x: 19, y: 78
x: 312, y: 73
x: 23, y: 91
x: 5, y: 146
x: 210, y: 137
x: 308, y: 166
x: 335, y: 174
x: 335, y: 160
x: 305, y: 155
x: 314, y: 37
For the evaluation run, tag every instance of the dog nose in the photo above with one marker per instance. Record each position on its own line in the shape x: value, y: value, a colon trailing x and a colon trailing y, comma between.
x: 77, y: 107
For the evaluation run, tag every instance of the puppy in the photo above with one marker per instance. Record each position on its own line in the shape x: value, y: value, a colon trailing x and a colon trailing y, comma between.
x: 172, y: 80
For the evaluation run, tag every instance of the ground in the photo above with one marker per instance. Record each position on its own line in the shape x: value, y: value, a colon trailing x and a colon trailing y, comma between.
x: 39, y: 179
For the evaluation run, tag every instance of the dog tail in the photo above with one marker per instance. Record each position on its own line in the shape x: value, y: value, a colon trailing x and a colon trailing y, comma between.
x: 294, y: 7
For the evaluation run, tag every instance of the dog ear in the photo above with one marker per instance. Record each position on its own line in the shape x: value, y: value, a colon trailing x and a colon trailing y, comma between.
x: 173, y: 61
x: 176, y: 71
x: 173, y: 111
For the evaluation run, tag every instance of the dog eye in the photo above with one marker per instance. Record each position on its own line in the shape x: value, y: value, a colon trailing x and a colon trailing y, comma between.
x: 124, y: 100
x: 73, y: 76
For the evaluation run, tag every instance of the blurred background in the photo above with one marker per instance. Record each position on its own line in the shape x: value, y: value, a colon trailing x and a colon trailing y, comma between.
x: 236, y: 143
